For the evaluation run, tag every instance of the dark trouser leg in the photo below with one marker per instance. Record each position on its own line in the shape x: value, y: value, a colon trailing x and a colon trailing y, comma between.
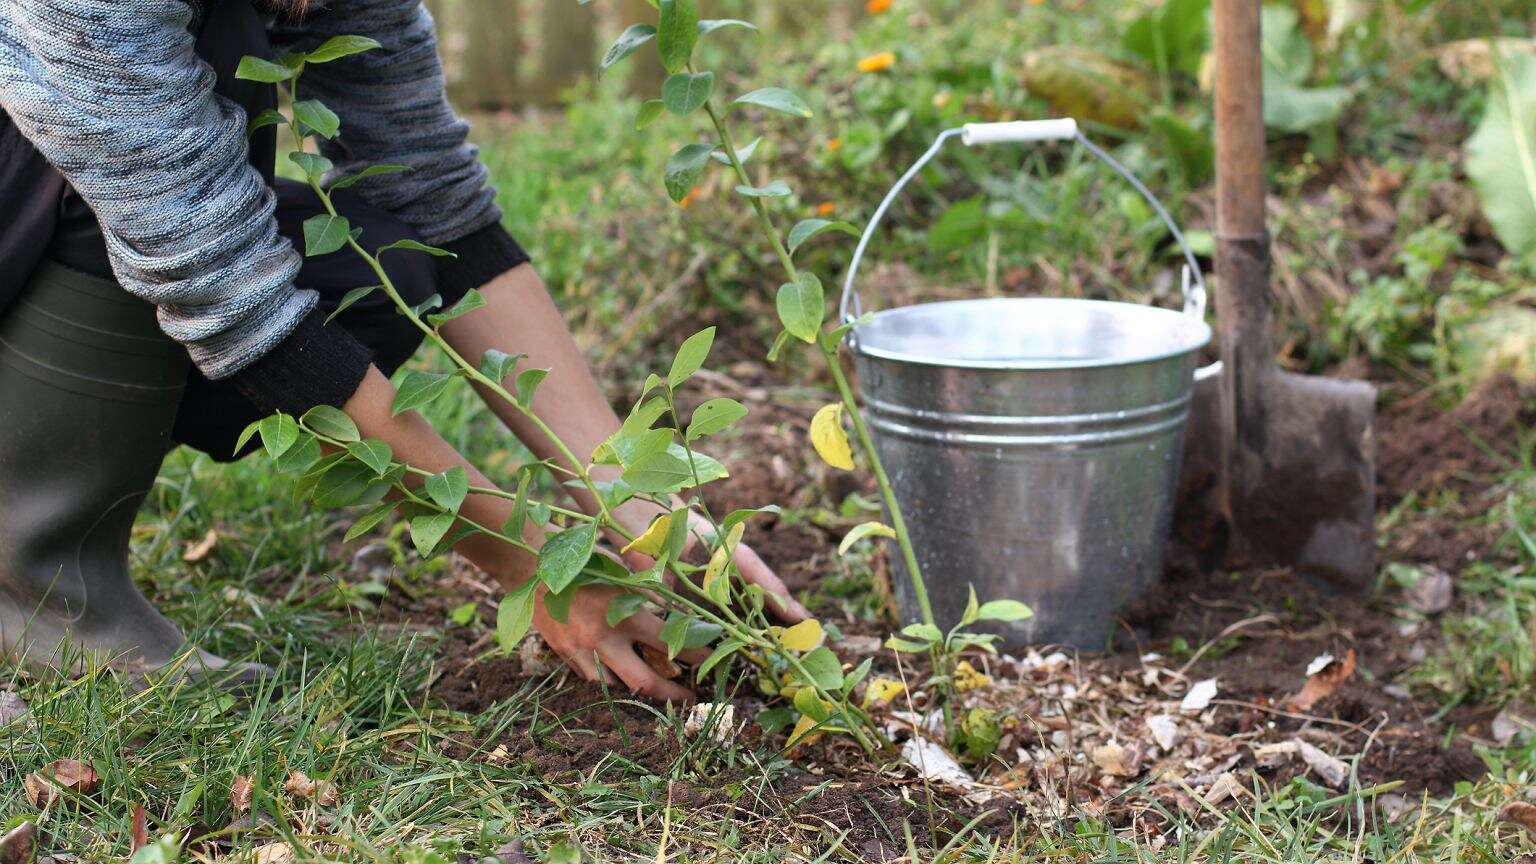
x: 88, y: 388
x: 213, y: 413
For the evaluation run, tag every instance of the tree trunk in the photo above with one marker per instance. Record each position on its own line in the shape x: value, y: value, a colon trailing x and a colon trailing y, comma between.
x: 645, y: 70
x: 569, y: 49
x: 481, y: 44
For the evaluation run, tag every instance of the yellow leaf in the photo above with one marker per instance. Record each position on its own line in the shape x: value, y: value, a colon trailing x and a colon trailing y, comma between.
x: 199, y: 550
x: 651, y: 541
x: 859, y: 532
x: 1084, y: 83
x: 968, y: 677
x: 719, y: 561
x: 802, y: 732
x: 883, y: 690
x: 828, y: 438
x: 803, y: 636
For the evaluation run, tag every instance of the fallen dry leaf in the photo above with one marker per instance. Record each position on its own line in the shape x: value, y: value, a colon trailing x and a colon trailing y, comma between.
x: 724, y: 720
x: 1111, y: 759
x: 274, y: 853
x: 1226, y: 786
x: 499, y: 756
x: 1165, y: 731
x: 19, y: 844
x: 299, y: 785
x: 43, y: 786
x: 1331, y: 769
x: 512, y: 853
x: 240, y: 793
x: 140, y: 828
x: 199, y: 550
x: 658, y: 661
x: 1323, y: 678
x: 1520, y: 813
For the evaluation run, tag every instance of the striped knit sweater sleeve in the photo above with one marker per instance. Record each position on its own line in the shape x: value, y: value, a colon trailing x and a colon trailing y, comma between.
x: 114, y: 96
x: 393, y: 110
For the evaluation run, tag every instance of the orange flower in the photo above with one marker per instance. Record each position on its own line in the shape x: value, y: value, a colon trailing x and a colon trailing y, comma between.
x: 692, y: 196
x: 834, y: 144
x: 878, y: 62
x: 826, y: 208
x: 875, y: 7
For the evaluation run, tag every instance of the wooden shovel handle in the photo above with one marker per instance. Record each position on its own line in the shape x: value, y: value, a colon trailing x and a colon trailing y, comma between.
x: 1239, y: 118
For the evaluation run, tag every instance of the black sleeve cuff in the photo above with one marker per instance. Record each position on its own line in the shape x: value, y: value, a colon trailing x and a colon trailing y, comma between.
x: 483, y: 255
x: 314, y: 365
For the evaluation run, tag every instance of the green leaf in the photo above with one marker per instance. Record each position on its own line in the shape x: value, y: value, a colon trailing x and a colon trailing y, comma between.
x: 351, y: 297
x: 300, y: 458
x: 824, y: 667
x: 859, y: 532
x: 959, y: 226
x: 677, y: 33
x: 690, y: 356
x: 1003, y: 610
x: 427, y: 305
x: 742, y: 153
x: 722, y: 651
x: 561, y: 559
x: 802, y: 306
x: 246, y: 435
x: 926, y: 632
x: 267, y: 117
x: 497, y: 365
x: 623, y: 607
x: 906, y: 646
x: 448, y: 488
x: 628, y: 43
x: 313, y: 116
x: 779, y: 342
x: 859, y: 673
x: 419, y: 388
x: 278, y: 433
x: 373, y: 453
x: 776, y: 189
x: 686, y: 92
x: 324, y: 234
x: 714, y: 416
x: 776, y: 99
x: 519, y: 516
x: 370, y: 520
x: 684, y: 168
x: 265, y: 71
x: 1501, y: 154
x: 343, y: 484
x: 650, y: 111
x: 370, y: 171
x: 1173, y: 34
x: 311, y: 164
x: 338, y: 47
x: 467, y: 304
x: 1289, y: 105
x: 682, y: 632
x: 627, y: 450
x: 514, y: 615
x: 710, y: 25
x: 528, y: 382
x: 416, y: 246
x: 805, y: 229
x: 330, y: 422
x: 706, y: 467
x: 658, y: 473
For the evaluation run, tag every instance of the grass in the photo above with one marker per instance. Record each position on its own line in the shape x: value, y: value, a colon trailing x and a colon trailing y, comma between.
x: 419, y: 782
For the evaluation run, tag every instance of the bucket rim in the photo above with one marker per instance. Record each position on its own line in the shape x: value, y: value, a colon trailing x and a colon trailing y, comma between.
x: 1201, y: 328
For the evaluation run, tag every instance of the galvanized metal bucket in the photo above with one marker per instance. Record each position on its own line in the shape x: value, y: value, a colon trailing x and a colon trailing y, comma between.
x: 1033, y: 443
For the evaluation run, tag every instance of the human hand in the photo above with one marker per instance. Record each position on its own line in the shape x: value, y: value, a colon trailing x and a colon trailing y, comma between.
x: 588, y: 645
x: 753, y: 569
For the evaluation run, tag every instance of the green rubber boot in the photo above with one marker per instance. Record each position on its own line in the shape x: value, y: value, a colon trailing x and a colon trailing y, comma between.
x: 88, y: 391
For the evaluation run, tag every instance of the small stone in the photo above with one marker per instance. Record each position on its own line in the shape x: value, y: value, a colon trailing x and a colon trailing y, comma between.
x: 702, y: 715
x: 1431, y: 593
x: 12, y: 708
x: 372, y: 557
x: 1199, y: 696
x: 1111, y: 759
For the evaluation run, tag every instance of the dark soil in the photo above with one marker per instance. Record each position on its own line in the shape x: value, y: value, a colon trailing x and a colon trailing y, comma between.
x: 1261, y: 629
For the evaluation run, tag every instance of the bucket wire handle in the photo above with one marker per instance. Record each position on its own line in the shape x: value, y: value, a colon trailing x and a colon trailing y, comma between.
x: 1192, y: 282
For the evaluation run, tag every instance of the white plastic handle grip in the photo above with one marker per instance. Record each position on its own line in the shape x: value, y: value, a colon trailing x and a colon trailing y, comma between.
x: 1017, y: 131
